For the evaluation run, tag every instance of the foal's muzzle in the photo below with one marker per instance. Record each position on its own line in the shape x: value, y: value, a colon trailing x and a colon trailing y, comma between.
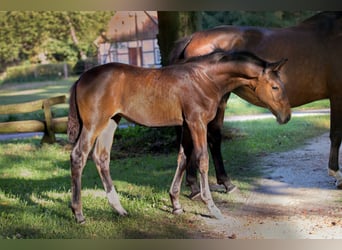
x: 283, y: 119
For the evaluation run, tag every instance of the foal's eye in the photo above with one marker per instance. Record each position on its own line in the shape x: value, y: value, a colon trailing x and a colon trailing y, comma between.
x: 275, y: 87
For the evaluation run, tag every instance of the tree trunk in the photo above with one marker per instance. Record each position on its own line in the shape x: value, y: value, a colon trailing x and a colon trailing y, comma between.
x: 74, y: 38
x: 173, y: 26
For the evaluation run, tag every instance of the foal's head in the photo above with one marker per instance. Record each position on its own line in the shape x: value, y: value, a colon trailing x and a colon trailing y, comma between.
x: 263, y: 78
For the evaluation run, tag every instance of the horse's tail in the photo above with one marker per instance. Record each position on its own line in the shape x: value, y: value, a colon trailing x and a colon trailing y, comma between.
x: 177, y: 53
x: 74, y: 121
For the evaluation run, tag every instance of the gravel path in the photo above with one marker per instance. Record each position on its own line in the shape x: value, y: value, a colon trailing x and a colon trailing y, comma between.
x: 295, y: 199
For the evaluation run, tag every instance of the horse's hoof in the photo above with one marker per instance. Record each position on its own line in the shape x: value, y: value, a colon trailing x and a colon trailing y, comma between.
x: 230, y: 188
x: 177, y: 211
x: 194, y: 195
x: 339, y: 184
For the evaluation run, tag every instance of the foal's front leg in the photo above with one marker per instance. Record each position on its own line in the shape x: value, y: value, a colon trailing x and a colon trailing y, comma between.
x: 101, y: 156
x: 199, y: 137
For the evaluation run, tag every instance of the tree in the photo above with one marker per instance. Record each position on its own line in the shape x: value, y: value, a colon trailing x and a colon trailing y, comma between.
x: 59, y: 35
x: 254, y: 18
x: 173, y: 26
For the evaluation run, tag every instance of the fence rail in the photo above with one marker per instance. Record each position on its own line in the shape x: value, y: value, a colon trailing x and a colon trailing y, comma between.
x: 49, y: 125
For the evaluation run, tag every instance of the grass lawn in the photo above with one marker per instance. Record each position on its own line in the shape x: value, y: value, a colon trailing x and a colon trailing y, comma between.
x: 35, y: 185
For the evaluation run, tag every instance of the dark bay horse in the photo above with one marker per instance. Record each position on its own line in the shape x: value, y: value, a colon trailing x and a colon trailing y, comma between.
x: 314, y: 50
x: 185, y: 94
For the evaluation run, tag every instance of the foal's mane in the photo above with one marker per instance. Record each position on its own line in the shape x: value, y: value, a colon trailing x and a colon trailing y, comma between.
x: 218, y: 56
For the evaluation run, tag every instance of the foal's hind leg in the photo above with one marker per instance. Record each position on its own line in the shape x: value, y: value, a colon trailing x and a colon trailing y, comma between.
x: 78, y: 158
x: 101, y: 156
x: 177, y: 181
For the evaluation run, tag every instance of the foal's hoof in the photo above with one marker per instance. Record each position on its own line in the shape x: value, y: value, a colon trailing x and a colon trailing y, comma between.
x: 81, y: 222
x: 80, y: 219
x: 123, y: 213
x: 215, y: 212
x: 178, y: 211
x: 338, y: 176
x: 78, y: 215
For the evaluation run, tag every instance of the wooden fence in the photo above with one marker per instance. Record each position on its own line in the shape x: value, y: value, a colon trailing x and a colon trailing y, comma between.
x: 49, y: 125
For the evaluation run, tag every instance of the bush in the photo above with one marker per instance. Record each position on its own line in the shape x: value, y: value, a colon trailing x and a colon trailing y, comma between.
x: 36, y: 72
x: 83, y: 65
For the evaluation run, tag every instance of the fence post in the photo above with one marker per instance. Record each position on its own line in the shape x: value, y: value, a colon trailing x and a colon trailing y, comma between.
x: 49, y: 135
x: 65, y: 69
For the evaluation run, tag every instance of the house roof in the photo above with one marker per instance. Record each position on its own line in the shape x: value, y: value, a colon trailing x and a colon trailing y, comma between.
x: 132, y: 25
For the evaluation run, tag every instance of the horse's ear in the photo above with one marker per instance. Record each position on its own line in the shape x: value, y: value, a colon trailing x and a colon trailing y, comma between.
x: 276, y: 66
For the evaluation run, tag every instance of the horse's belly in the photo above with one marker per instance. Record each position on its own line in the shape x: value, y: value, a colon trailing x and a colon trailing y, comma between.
x: 154, y: 115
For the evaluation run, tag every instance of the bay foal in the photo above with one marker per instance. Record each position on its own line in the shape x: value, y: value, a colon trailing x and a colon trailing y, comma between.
x: 185, y: 94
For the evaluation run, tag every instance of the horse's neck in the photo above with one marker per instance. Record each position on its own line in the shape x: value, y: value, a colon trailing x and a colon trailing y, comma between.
x: 231, y: 75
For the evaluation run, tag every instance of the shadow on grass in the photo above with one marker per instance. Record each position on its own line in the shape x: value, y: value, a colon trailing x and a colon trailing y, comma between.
x: 34, y: 213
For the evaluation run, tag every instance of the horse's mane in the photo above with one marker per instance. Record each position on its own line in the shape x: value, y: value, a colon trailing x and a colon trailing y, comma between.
x: 177, y: 53
x: 224, y: 56
x: 324, y: 16
x: 324, y: 21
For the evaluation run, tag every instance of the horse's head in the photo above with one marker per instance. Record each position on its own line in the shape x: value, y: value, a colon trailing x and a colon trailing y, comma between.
x: 261, y: 78
x: 270, y: 90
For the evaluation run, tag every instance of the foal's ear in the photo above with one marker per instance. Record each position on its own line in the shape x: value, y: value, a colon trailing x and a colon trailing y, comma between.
x: 276, y: 66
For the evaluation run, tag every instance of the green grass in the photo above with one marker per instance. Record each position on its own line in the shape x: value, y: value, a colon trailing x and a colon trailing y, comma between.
x: 33, y: 91
x: 35, y: 184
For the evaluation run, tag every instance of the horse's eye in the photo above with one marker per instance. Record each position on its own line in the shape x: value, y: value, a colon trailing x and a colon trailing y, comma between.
x: 275, y: 87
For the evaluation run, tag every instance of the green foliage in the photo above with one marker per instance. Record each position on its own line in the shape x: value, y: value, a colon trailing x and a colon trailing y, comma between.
x: 134, y: 140
x: 254, y: 18
x: 83, y: 65
x: 58, y: 35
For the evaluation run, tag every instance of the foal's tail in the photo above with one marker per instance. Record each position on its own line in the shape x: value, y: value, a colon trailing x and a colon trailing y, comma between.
x: 74, y: 121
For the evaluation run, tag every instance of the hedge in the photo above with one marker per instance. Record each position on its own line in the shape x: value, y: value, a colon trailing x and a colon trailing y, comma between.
x: 37, y: 72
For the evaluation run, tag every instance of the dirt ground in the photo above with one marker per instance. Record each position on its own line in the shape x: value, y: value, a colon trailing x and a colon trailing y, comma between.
x: 295, y: 199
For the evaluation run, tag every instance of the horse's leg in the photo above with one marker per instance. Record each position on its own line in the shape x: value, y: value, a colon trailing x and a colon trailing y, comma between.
x: 185, y: 139
x: 199, y: 136
x: 335, y: 138
x: 184, y: 154
x: 101, y: 156
x: 191, y: 177
x: 214, y: 141
x: 78, y: 158
x: 177, y: 181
